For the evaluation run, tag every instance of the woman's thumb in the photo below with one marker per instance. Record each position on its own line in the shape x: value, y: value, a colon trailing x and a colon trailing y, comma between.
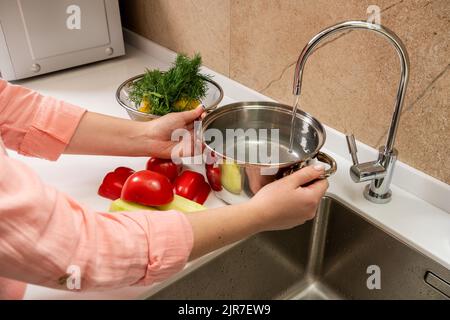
x: 194, y: 114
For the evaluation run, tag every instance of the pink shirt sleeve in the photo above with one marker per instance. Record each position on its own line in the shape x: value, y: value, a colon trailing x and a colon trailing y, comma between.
x: 46, y: 238
x: 35, y: 125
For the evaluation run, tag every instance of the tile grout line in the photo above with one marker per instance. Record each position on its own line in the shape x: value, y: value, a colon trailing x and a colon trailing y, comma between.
x: 424, y: 92
x: 428, y: 87
x: 267, y: 87
x: 321, y: 46
x: 391, y: 6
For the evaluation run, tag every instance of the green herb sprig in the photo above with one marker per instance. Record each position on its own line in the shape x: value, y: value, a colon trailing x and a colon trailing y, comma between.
x: 163, y: 89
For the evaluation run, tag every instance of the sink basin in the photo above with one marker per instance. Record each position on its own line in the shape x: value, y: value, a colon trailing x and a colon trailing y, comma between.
x: 333, y: 257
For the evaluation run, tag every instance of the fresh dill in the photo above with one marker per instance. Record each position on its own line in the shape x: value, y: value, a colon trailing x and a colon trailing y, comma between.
x: 163, y: 91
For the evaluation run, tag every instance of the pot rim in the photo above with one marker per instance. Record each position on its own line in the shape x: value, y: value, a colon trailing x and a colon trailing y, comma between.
x: 216, y: 113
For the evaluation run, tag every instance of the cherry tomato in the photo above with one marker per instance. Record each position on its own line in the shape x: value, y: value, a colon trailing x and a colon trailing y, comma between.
x: 213, y: 175
x: 165, y: 167
x: 113, y: 182
x: 147, y: 188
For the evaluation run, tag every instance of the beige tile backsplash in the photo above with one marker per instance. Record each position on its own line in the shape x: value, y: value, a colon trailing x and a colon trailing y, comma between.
x: 349, y: 84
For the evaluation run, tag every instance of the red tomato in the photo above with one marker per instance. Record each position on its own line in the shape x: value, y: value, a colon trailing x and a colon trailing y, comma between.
x: 148, y: 188
x: 165, y: 167
x: 188, y: 184
x: 113, y: 182
x: 213, y: 175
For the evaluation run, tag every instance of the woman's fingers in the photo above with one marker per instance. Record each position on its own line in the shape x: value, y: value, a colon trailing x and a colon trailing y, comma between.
x: 318, y: 187
x: 192, y: 115
x: 305, y: 175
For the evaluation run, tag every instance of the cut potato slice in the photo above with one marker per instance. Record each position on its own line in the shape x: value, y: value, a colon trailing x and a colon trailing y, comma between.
x: 122, y: 205
x: 178, y: 204
x: 182, y: 204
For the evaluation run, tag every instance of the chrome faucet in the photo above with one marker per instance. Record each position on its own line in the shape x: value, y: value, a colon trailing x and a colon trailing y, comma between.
x: 379, y: 172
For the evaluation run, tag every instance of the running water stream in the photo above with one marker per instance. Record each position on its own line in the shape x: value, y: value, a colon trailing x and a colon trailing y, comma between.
x: 294, y: 116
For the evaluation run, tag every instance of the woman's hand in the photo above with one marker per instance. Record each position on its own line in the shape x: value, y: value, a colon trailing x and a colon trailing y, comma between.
x: 284, y: 204
x: 159, y: 134
x: 99, y: 134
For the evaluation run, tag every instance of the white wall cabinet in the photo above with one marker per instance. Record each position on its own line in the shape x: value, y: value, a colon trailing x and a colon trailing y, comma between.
x: 41, y: 36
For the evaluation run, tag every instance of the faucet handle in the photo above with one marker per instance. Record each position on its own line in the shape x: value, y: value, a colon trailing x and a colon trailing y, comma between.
x: 351, y: 143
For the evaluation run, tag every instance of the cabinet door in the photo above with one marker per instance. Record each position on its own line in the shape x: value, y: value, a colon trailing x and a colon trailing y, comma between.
x: 48, y: 35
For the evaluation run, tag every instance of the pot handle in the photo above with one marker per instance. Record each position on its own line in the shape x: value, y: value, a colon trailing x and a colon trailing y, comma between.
x: 325, y: 158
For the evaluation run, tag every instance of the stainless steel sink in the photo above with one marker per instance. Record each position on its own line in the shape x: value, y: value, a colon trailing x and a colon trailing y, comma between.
x: 333, y: 257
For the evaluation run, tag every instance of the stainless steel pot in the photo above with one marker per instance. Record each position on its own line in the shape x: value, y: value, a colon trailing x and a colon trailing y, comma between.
x: 242, y: 173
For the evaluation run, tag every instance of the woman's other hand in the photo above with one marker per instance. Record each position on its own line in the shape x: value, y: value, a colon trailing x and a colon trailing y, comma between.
x: 159, y: 133
x: 282, y: 204
x: 99, y: 134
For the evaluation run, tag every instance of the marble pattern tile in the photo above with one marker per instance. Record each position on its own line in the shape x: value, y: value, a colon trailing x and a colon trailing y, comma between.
x: 424, y: 138
x: 187, y: 26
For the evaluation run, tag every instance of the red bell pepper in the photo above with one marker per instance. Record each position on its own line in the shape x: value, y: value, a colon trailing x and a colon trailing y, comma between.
x: 192, y: 185
x: 203, y: 193
x: 147, y: 188
x: 165, y: 167
x: 113, y: 182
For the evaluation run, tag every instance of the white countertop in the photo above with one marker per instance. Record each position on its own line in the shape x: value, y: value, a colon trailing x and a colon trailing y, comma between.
x: 408, y: 217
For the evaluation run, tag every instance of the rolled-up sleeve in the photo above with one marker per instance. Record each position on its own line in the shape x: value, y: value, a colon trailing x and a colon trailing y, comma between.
x: 36, y: 125
x: 48, y: 239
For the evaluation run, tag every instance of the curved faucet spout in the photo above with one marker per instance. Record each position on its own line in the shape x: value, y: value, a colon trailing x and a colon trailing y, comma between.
x: 389, y: 35
x: 379, y: 172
